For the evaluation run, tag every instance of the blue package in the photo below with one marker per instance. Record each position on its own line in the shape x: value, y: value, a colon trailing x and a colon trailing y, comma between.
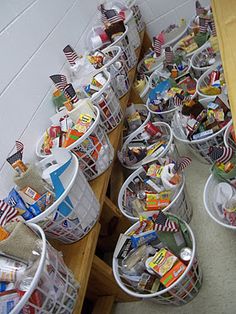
x: 14, y: 199
x: 3, y: 286
x: 160, y: 88
x: 143, y: 238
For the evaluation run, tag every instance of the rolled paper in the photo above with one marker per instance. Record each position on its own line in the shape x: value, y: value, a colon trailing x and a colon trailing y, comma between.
x: 199, y: 9
x: 70, y: 54
x: 70, y: 93
x: 157, y: 46
x: 169, y: 55
x: 59, y: 80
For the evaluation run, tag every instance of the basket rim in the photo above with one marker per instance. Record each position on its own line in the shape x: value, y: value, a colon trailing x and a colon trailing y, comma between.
x: 226, y: 134
x: 205, y: 193
x: 148, y: 72
x: 76, y: 143
x: 125, y: 185
x: 192, y: 59
x: 205, y: 138
x: 156, y: 294
x: 115, y: 58
x: 38, y: 272
x: 58, y: 201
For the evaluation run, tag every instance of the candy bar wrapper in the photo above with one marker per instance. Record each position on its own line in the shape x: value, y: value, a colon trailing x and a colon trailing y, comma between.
x: 149, y: 283
x: 123, y: 246
x: 143, y: 238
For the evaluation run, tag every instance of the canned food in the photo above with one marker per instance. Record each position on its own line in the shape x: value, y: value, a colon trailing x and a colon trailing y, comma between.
x: 186, y: 254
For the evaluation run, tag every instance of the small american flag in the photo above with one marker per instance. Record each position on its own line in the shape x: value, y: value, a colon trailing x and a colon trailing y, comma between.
x: 7, y: 212
x: 103, y: 15
x: 162, y: 223
x: 18, y: 155
x: 169, y: 55
x: 177, y: 101
x: 59, y: 80
x: 203, y: 23
x: 220, y: 154
x: 70, y: 93
x: 157, y: 46
x: 70, y: 54
x: 182, y: 163
x: 213, y: 27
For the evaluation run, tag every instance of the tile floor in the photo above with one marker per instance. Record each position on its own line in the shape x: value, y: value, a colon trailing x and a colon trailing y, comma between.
x: 217, y: 255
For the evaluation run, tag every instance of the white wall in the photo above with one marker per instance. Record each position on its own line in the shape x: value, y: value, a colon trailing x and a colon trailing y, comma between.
x: 158, y: 14
x: 32, y: 36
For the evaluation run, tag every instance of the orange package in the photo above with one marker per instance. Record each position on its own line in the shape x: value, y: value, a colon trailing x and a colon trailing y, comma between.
x: 173, y: 274
x: 71, y: 136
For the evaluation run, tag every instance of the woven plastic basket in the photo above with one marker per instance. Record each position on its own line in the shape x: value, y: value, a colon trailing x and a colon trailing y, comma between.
x: 210, y: 204
x: 198, y: 71
x: 93, y: 150
x: 118, y: 70
x: 56, y: 290
x: 228, y: 140
x: 75, y: 212
x: 165, y: 129
x: 137, y: 14
x: 182, y: 291
x: 179, y: 205
x: 200, y: 147
x: 204, y: 80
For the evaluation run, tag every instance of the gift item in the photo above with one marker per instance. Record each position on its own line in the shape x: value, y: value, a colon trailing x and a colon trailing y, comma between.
x: 214, y: 83
x: 152, y: 266
x: 155, y: 187
x: 135, y: 116
x: 197, y: 121
x: 22, y: 253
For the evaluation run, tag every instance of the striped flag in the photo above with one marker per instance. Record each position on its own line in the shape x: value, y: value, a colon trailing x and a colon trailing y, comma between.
x: 7, y: 212
x: 162, y: 223
x: 70, y: 54
x: 18, y: 155
x: 203, y: 23
x: 169, y: 55
x: 182, y: 163
x: 103, y: 15
x: 157, y: 46
x: 220, y: 154
x: 71, y: 93
x: 213, y: 27
x: 177, y: 101
x: 59, y: 80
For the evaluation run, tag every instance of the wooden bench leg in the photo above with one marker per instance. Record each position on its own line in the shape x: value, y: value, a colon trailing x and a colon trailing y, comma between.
x: 102, y: 283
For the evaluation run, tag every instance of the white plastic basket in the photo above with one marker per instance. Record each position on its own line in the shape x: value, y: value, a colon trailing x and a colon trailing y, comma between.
x: 228, y: 141
x: 165, y: 129
x: 179, y: 205
x: 108, y: 104
x: 198, y: 71
x: 165, y: 116
x: 200, y: 147
x: 188, y: 55
x: 118, y: 70
x: 75, y: 212
x: 133, y: 34
x: 93, y: 159
x: 210, y: 205
x: 129, y: 54
x: 203, y: 81
x: 137, y: 14
x: 182, y: 291
x: 139, y: 107
x: 56, y: 290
